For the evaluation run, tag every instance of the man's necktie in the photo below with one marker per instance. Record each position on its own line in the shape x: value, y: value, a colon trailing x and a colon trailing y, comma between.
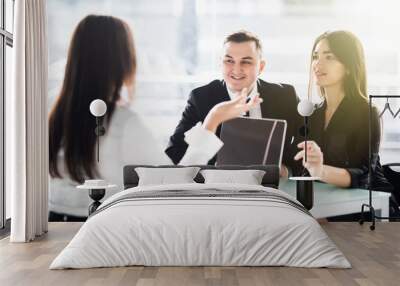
x: 248, y: 112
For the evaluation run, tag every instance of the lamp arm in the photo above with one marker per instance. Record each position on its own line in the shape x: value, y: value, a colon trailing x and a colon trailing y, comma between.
x: 98, y: 140
x: 305, y: 137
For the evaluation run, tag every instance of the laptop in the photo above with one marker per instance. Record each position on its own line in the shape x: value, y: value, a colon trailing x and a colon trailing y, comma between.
x: 252, y: 141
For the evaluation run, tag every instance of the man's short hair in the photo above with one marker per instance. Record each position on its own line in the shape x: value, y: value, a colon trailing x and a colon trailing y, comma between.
x: 244, y: 36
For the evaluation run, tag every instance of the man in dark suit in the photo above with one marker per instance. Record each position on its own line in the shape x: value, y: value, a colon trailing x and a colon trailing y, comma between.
x: 242, y: 64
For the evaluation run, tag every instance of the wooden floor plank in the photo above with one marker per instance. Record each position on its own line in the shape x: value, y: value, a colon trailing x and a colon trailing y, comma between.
x: 374, y: 255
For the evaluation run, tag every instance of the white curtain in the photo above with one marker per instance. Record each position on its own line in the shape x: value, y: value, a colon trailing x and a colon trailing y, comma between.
x: 26, y: 117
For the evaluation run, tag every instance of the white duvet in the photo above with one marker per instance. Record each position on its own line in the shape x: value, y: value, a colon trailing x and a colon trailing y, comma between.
x: 185, y: 231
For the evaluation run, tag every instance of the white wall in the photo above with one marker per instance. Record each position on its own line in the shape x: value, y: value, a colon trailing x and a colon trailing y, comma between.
x: 287, y: 29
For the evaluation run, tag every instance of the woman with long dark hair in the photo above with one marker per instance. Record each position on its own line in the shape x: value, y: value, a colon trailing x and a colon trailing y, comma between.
x: 339, y: 128
x: 101, y: 61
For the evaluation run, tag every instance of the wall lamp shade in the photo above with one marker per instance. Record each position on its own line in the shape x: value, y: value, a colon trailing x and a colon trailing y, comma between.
x: 305, y: 108
x: 98, y: 107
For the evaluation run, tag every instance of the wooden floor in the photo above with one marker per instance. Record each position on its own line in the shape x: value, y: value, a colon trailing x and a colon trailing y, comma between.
x: 374, y: 255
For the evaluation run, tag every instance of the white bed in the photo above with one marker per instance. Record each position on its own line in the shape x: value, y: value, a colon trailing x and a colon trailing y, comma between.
x: 224, y: 225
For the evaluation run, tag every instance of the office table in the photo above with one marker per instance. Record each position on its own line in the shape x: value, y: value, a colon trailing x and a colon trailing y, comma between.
x: 333, y: 201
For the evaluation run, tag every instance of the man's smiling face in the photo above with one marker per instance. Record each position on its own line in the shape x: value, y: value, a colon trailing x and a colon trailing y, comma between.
x: 241, y: 65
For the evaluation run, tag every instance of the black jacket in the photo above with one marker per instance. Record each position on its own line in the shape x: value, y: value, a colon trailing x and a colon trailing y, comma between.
x: 344, y: 142
x: 279, y: 102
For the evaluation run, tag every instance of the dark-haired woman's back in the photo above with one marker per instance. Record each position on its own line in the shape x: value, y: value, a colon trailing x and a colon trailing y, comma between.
x: 127, y: 140
x: 101, y: 60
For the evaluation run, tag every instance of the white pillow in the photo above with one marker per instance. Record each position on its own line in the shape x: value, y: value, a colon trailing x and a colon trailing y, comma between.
x: 248, y: 177
x: 163, y: 176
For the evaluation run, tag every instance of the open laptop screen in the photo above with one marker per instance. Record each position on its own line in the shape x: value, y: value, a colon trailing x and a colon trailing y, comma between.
x: 251, y: 141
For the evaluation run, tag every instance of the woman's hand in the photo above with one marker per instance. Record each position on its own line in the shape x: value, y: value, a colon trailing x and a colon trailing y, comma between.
x: 230, y: 109
x: 315, y: 158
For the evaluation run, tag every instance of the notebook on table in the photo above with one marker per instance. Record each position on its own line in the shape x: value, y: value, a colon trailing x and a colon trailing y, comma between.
x: 252, y: 141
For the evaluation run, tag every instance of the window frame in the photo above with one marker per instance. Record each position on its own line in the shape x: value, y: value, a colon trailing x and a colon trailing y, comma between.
x: 6, y: 39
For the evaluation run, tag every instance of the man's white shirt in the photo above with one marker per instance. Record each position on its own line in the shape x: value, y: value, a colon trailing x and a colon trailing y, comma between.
x: 255, y: 112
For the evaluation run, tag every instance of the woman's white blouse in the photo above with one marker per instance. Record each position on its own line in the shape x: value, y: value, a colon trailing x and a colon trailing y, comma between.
x: 127, y: 142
